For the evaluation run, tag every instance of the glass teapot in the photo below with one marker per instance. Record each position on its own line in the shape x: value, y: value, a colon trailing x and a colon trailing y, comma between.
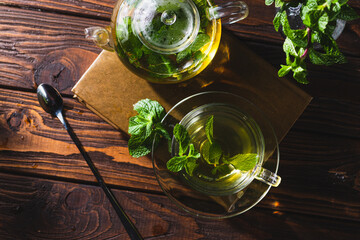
x: 166, y: 41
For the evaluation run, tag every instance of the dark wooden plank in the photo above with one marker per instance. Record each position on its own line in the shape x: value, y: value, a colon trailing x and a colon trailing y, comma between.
x: 33, y: 208
x: 36, y: 142
x: 340, y: 81
x: 40, y: 47
x: 319, y: 158
x: 258, y: 25
x: 92, y: 9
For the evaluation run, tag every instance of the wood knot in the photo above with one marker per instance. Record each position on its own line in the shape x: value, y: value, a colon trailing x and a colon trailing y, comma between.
x: 14, y: 120
x: 158, y: 230
x: 62, y: 68
x: 76, y: 199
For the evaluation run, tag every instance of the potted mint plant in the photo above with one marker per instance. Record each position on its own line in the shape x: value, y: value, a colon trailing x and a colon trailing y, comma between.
x: 313, y: 39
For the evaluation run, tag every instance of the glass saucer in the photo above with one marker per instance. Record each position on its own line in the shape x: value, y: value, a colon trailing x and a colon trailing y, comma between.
x: 193, y: 201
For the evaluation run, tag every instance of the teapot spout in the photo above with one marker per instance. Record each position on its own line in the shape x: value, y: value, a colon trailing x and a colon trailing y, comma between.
x: 100, y: 36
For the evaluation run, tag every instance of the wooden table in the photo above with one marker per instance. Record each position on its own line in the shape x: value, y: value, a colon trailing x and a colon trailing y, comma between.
x: 48, y: 192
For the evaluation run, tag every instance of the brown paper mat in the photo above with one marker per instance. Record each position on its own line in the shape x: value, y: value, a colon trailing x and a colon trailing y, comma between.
x: 110, y: 90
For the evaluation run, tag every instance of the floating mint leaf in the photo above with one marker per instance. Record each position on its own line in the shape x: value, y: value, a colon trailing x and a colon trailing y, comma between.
x: 190, y: 166
x: 223, y: 169
x: 182, y: 137
x: 177, y: 163
x: 209, y: 126
x: 188, y: 161
x: 244, y: 162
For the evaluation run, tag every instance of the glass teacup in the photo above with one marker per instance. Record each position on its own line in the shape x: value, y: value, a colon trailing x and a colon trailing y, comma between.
x: 244, y: 171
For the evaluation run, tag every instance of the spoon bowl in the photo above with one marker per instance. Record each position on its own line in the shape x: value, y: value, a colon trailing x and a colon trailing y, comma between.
x: 49, y: 98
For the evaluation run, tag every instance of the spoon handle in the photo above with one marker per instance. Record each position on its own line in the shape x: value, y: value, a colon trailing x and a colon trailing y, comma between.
x: 128, y: 224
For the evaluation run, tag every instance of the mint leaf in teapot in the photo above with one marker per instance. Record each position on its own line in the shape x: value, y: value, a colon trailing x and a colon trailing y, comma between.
x: 201, y: 40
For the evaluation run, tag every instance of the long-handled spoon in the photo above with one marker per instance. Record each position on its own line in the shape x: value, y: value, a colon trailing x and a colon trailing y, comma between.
x: 52, y: 102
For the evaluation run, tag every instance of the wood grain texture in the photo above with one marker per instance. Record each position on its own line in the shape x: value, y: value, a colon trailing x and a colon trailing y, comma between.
x: 43, y: 209
x: 319, y: 158
x: 49, y: 47
x: 257, y: 26
x: 40, y: 47
x: 36, y: 142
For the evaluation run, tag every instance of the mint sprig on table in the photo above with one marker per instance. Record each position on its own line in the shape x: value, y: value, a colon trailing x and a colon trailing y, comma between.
x: 145, y: 126
x: 319, y: 19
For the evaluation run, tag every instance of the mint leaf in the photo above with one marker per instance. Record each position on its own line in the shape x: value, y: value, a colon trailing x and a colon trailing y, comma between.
x: 269, y: 2
x: 285, y: 69
x: 323, y: 21
x: 199, y: 42
x: 209, y: 126
x: 149, y: 109
x: 223, y: 169
x: 300, y: 75
x: 289, y: 47
x: 182, y: 137
x: 140, y: 126
x: 244, y: 162
x: 146, y: 127
x: 277, y: 21
x: 325, y: 59
x: 215, y: 153
x: 188, y: 162
x: 183, y: 55
x: 139, y: 146
x: 177, y: 163
x: 190, y: 166
x: 347, y: 13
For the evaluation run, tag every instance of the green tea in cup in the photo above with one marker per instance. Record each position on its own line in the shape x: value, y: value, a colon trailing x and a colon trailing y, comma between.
x: 231, y: 147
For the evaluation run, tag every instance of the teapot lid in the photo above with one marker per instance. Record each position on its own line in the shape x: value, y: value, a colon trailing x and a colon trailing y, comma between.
x: 166, y: 26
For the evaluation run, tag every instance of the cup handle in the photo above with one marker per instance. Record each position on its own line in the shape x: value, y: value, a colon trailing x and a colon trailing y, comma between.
x: 268, y: 177
x: 100, y: 36
x: 229, y: 12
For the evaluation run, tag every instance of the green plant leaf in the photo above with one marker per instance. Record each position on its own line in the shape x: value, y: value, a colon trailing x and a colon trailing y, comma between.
x: 177, y: 163
x: 145, y: 127
x: 325, y: 59
x: 323, y: 21
x: 182, y: 137
x: 209, y: 126
x: 190, y: 166
x: 215, y: 153
x: 269, y: 2
x: 289, y: 47
x: 300, y: 74
x: 277, y: 21
x: 244, y: 162
x: 149, y: 109
x: 347, y: 13
x: 139, y: 146
x: 223, y: 169
x: 285, y: 69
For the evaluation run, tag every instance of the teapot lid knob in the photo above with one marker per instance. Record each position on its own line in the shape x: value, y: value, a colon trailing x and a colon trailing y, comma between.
x: 166, y: 26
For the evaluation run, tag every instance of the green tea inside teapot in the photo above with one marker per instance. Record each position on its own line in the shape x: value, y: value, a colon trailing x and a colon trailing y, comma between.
x: 166, y: 41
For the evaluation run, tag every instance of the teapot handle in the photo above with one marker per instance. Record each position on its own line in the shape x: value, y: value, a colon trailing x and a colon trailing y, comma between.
x: 230, y: 12
x: 100, y: 36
